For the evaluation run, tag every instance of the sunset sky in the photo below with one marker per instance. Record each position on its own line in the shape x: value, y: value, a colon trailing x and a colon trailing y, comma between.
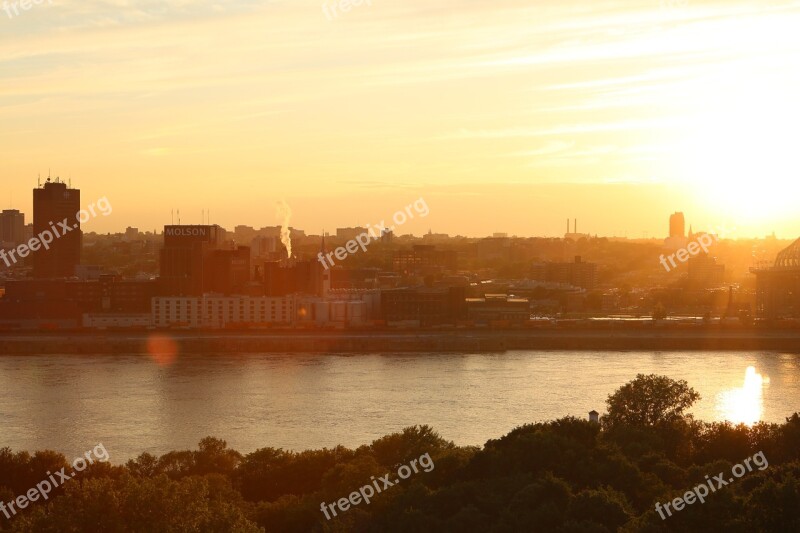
x: 506, y: 116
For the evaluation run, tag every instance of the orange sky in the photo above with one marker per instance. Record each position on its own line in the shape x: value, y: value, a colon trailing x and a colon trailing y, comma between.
x: 492, y: 110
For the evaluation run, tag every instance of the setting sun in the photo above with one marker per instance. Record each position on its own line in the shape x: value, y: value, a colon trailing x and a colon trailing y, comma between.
x: 281, y: 266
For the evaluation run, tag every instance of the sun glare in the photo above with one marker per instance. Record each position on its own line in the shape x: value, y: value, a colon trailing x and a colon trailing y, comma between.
x: 740, y: 155
x: 735, y: 146
x: 744, y: 405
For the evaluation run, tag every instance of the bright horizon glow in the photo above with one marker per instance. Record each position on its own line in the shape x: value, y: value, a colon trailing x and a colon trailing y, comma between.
x: 490, y: 107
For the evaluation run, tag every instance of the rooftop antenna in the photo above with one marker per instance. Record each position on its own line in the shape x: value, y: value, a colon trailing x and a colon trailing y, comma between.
x: 172, y: 216
x: 179, y: 217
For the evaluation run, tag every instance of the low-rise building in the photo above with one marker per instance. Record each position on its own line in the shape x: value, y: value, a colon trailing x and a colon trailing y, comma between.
x: 578, y: 273
x: 219, y: 311
x: 424, y: 306
x: 213, y: 311
x: 498, y: 308
x: 117, y: 320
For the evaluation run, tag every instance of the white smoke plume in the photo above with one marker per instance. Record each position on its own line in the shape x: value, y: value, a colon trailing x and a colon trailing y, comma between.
x: 285, y: 214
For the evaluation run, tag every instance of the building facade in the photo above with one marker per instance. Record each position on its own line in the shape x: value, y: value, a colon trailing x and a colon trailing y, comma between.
x: 578, y: 273
x: 677, y: 226
x: 12, y: 228
x: 185, y: 257
x: 498, y: 308
x: 55, y: 203
x: 424, y: 306
x: 778, y: 286
x: 213, y: 311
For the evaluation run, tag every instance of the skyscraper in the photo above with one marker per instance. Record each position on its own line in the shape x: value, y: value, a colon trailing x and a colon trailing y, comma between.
x: 12, y: 227
x: 185, y: 259
x: 54, y: 203
x: 677, y: 225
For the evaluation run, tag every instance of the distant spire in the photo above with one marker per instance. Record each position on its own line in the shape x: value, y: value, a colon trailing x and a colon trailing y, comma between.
x: 322, y: 245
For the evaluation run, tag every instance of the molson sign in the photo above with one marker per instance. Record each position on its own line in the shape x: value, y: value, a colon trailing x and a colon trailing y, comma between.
x: 190, y: 233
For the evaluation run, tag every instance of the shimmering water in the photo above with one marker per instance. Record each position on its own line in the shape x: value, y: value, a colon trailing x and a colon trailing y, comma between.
x: 133, y: 404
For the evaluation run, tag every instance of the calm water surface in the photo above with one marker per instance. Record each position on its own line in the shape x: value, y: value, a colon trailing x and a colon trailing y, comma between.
x: 133, y: 404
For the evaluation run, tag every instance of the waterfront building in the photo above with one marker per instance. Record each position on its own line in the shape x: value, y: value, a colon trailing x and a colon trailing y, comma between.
x: 37, y: 303
x: 55, y: 203
x: 195, y: 261
x: 424, y: 306
x: 498, y: 308
x: 216, y: 311
x: 778, y: 286
x: 219, y: 311
x: 290, y: 276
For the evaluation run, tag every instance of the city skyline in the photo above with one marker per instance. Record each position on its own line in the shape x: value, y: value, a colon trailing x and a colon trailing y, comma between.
x: 545, y: 228
x: 283, y: 266
x: 634, y: 104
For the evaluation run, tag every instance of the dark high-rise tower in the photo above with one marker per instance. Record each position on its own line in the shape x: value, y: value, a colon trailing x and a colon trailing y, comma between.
x: 54, y: 203
x: 12, y: 227
x: 185, y: 259
x: 677, y: 225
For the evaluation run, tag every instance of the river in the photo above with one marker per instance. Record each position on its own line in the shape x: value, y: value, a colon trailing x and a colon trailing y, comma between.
x: 133, y: 403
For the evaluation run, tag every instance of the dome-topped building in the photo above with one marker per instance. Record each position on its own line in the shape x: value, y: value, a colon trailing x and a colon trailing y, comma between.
x: 778, y: 286
x: 789, y: 257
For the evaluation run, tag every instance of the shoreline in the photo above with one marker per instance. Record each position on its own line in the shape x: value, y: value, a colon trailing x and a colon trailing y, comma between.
x: 703, y: 338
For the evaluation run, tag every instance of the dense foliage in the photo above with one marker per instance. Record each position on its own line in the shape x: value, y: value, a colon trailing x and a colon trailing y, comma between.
x: 567, y: 475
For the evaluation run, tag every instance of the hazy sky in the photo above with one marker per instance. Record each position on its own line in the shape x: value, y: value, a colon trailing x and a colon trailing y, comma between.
x: 492, y: 111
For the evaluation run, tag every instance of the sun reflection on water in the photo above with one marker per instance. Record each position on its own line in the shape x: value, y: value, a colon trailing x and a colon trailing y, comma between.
x: 744, y: 405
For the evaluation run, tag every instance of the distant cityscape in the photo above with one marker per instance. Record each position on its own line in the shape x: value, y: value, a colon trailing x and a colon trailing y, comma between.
x: 206, y: 277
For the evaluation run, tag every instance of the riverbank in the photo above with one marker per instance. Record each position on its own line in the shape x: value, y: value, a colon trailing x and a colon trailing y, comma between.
x: 467, y: 341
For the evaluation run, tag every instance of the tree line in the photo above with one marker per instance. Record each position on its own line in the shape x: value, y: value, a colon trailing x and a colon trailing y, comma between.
x: 568, y: 475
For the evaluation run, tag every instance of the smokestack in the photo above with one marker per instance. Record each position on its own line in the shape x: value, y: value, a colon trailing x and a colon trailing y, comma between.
x: 285, y: 213
x: 567, y: 225
x: 576, y: 225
